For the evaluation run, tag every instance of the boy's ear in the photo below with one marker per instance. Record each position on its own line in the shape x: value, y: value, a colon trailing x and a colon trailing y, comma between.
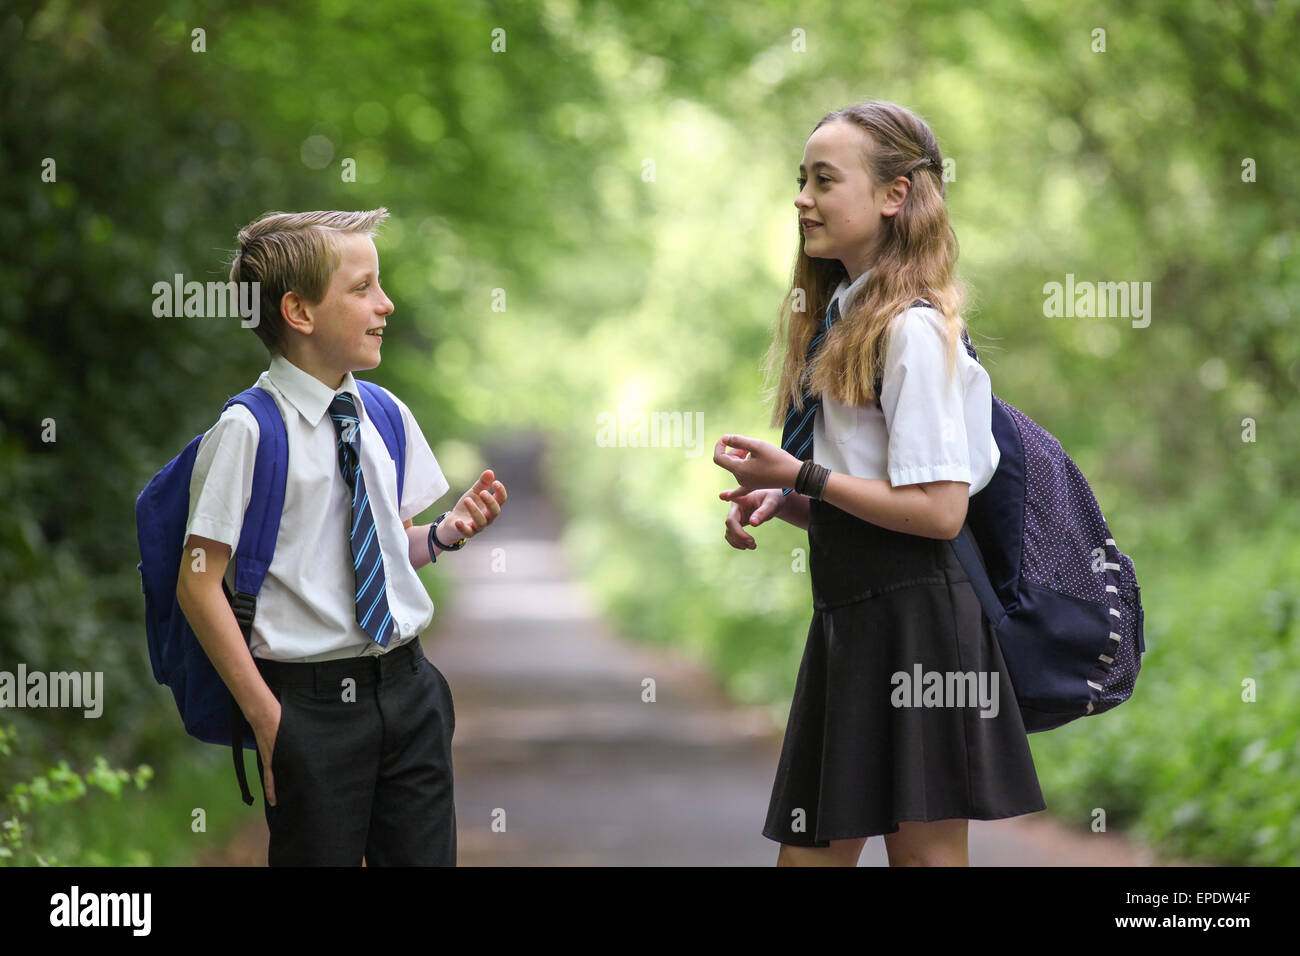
x: 294, y: 312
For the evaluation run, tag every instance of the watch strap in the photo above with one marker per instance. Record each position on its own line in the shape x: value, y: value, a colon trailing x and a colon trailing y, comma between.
x: 434, y: 536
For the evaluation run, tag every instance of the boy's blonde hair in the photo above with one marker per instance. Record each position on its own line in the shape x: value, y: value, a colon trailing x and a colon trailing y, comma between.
x: 294, y: 252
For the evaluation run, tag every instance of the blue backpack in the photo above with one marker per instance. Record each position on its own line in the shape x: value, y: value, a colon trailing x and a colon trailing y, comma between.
x: 207, y: 707
x: 1063, y: 600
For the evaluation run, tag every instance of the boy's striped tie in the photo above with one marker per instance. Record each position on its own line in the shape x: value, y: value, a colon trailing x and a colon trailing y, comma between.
x: 367, y: 560
x: 797, y: 437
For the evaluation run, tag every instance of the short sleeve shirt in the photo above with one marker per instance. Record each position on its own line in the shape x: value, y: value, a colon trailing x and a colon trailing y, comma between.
x: 306, y: 610
x: 931, y: 426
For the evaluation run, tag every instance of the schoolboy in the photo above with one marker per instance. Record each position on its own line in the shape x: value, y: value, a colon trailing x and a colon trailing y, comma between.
x: 353, y: 723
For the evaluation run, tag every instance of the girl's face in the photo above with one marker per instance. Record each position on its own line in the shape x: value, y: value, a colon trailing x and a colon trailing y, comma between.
x: 841, y: 211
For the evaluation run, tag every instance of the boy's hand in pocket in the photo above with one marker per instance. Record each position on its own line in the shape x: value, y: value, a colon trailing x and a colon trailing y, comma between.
x: 266, y: 737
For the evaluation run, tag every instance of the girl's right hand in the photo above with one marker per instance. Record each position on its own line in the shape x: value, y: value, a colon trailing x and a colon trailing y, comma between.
x: 750, y: 509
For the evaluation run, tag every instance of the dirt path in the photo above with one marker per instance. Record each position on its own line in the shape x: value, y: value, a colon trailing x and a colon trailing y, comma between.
x: 553, y: 737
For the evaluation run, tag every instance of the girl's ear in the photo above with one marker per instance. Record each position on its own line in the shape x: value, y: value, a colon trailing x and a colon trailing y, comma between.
x: 895, y: 196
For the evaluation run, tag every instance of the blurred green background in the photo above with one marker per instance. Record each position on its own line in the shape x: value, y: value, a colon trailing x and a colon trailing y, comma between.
x: 623, y: 175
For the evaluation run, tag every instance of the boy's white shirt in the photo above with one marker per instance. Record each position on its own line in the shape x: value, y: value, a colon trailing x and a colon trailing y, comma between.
x: 306, y: 610
x: 929, y: 428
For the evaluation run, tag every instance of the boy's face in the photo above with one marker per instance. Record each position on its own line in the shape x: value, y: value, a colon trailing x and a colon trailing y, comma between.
x: 840, y: 198
x: 348, y: 321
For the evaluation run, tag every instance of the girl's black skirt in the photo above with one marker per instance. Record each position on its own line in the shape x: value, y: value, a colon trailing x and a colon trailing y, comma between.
x: 894, y: 715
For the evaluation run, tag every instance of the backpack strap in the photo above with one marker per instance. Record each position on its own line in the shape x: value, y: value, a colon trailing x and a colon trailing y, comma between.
x: 266, y: 502
x: 257, y: 537
x: 387, y: 418
x: 973, y: 564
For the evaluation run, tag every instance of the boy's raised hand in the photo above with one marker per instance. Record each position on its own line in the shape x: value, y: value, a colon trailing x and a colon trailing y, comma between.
x: 478, y: 507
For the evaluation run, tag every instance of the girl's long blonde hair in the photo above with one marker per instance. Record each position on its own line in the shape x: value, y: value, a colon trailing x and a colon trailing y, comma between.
x: 917, y: 260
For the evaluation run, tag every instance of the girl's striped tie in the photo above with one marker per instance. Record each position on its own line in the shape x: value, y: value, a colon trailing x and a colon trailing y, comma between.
x: 367, y: 561
x: 797, y: 437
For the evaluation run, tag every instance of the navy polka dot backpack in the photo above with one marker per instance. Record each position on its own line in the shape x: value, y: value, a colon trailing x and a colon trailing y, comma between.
x: 1062, y: 598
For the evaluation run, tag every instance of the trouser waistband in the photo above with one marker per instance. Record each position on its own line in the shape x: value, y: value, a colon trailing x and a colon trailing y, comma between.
x: 366, y: 670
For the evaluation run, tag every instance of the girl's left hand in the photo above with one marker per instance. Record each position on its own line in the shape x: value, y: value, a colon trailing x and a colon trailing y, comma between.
x: 763, y: 466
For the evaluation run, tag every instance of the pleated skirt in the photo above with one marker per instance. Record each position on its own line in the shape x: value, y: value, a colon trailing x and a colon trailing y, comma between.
x: 902, y: 709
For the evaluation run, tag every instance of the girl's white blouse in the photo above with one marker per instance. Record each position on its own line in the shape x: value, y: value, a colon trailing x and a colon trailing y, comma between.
x: 930, y: 427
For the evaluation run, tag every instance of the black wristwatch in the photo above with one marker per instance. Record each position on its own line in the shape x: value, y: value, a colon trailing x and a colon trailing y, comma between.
x: 434, y: 540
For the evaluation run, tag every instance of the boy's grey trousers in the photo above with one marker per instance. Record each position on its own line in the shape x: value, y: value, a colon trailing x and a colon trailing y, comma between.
x: 362, y: 762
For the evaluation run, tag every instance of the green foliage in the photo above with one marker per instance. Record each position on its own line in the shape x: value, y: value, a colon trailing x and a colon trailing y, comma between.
x: 57, y: 787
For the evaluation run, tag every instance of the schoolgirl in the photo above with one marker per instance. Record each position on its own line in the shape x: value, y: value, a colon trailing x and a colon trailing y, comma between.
x: 881, y: 478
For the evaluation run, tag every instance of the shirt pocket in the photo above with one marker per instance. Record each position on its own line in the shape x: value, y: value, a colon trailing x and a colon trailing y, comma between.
x: 844, y: 424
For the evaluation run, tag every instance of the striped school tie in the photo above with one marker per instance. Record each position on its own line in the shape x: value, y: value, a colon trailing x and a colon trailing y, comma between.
x: 797, y: 437
x: 367, y: 560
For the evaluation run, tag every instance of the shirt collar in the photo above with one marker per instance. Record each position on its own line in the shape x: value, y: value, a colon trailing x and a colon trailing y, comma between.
x: 845, y: 289
x: 306, y: 392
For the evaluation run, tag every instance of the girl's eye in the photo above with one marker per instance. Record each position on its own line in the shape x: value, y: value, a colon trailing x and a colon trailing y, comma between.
x: 801, y: 181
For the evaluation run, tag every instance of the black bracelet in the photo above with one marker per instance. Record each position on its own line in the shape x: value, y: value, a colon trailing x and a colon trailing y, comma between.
x: 446, y: 547
x: 799, y: 480
x: 433, y: 539
x: 823, y: 475
x: 812, y: 479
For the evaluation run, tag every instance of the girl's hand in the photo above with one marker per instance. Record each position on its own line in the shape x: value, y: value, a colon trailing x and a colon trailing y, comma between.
x: 477, y: 508
x: 751, y: 509
x: 763, y: 466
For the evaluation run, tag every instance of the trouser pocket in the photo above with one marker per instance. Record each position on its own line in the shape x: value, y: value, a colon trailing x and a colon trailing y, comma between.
x: 280, y: 762
x: 440, y: 681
